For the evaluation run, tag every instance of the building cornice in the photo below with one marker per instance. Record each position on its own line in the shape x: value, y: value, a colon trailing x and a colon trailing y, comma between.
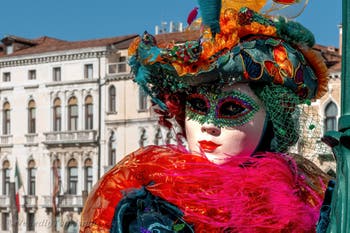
x: 40, y: 59
x: 119, y: 77
x: 65, y: 83
x: 131, y: 121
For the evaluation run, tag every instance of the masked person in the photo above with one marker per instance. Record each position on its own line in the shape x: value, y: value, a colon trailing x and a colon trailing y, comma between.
x: 235, y: 92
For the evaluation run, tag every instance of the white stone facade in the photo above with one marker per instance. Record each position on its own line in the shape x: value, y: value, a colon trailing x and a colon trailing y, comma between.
x: 77, y: 148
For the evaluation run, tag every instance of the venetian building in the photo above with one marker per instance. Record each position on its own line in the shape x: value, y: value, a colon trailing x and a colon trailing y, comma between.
x: 324, y: 113
x: 51, y: 126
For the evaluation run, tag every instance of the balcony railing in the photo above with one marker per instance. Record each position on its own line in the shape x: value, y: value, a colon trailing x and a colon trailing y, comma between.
x: 71, y: 137
x: 117, y: 68
x: 47, y: 201
x: 64, y: 201
x: 31, y: 138
x: 4, y: 201
x: 30, y: 201
x: 6, y: 140
x: 67, y: 201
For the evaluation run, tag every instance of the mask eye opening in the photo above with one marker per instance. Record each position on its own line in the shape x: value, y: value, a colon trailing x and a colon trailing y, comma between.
x: 198, y: 103
x: 232, y: 108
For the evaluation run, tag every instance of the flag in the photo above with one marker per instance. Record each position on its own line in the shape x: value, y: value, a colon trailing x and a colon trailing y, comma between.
x: 55, y: 191
x: 19, y: 185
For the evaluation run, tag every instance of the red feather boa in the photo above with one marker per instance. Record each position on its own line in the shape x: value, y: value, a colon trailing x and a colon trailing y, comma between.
x: 263, y: 193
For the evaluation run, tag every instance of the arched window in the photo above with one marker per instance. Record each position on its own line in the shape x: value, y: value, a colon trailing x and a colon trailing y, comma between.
x: 331, y: 112
x: 5, y: 221
x: 112, y: 99
x: 142, y: 100
x: 30, y: 221
x: 57, y: 115
x: 72, y: 114
x: 143, y: 137
x: 31, y: 116
x: 88, y: 174
x: 112, y: 157
x: 71, y: 227
x: 31, y: 177
x: 56, y: 176
x: 6, y: 178
x: 89, y: 116
x: 158, y: 137
x: 169, y: 137
x: 72, y: 177
x: 6, y: 119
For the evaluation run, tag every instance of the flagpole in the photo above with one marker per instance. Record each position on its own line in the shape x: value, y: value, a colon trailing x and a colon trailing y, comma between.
x: 13, y: 207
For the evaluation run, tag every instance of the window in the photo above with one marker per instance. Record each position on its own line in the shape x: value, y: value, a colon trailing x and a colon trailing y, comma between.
x: 158, y: 137
x: 169, y: 137
x: 30, y: 221
x: 6, y: 178
x: 71, y: 227
x: 6, y: 77
x: 112, y: 99
x: 88, y: 71
x: 31, y: 116
x: 112, y: 68
x: 142, y: 99
x: 112, y: 157
x: 72, y: 177
x: 31, y: 74
x: 57, y: 117
x: 31, y: 177
x: 72, y: 114
x: 331, y: 112
x: 88, y: 175
x: 5, y: 220
x: 122, y: 65
x: 143, y: 137
x: 6, y: 119
x: 89, y: 117
x: 56, y: 74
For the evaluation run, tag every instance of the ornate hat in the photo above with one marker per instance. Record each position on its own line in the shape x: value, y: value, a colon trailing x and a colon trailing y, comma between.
x: 237, y: 44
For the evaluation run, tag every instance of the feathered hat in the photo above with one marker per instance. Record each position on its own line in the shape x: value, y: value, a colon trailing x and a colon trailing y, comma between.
x: 237, y: 43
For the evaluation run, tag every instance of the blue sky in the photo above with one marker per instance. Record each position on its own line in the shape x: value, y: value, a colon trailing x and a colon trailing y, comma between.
x: 90, y: 19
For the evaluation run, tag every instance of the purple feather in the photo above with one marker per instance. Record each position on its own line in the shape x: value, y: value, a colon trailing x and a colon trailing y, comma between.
x: 192, y: 15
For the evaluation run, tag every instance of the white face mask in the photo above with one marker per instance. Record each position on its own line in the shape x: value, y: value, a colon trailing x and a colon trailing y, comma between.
x: 224, y: 125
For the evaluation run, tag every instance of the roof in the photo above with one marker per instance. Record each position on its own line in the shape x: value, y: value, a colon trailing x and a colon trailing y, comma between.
x: 10, y: 39
x: 49, y: 44
x: 178, y: 37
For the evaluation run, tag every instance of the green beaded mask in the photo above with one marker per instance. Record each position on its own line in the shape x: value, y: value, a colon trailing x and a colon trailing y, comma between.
x: 225, y: 109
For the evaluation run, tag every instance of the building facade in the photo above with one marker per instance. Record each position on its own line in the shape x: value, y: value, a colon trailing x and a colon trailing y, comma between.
x: 70, y: 110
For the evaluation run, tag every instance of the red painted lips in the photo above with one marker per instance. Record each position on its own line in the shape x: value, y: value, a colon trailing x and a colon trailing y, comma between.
x: 208, y: 146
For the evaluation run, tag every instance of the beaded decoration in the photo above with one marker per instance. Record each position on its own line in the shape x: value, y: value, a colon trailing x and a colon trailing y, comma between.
x: 226, y: 109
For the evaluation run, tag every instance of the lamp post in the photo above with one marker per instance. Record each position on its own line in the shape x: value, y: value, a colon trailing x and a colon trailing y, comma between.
x: 340, y: 141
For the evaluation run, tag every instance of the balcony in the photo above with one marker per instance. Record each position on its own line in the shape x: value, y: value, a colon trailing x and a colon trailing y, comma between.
x: 64, y: 201
x: 31, y: 139
x: 69, y: 201
x: 4, y: 201
x: 30, y: 202
x: 6, y: 141
x: 69, y: 138
x: 117, y: 68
